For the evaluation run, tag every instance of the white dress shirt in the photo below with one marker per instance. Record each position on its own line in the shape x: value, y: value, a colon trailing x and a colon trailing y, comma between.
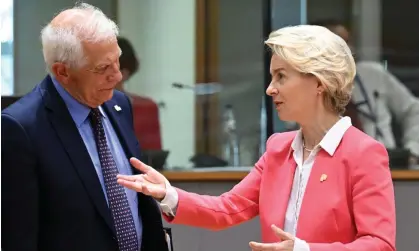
x: 329, y: 143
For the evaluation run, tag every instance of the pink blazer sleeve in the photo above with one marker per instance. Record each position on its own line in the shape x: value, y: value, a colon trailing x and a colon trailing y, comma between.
x: 373, y: 205
x: 219, y: 212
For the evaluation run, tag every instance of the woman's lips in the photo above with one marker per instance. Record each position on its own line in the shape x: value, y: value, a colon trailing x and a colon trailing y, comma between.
x: 278, y: 104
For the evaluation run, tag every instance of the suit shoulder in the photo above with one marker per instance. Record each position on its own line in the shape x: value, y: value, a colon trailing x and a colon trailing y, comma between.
x: 282, y: 137
x: 25, y: 109
x: 370, y: 67
x: 280, y: 141
x: 356, y: 141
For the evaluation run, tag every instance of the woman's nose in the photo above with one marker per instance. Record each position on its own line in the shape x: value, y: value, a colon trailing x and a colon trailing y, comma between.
x: 271, y: 91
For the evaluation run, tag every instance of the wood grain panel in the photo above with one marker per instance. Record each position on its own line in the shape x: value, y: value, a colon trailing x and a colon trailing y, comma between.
x: 207, y: 72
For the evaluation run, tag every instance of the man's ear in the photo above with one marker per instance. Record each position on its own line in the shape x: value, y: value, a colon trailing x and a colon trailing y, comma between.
x: 60, y: 72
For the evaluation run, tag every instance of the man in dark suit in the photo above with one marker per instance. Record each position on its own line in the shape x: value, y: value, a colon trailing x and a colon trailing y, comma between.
x: 64, y: 143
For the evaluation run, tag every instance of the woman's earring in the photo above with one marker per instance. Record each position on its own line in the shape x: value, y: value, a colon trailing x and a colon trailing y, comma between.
x: 319, y: 93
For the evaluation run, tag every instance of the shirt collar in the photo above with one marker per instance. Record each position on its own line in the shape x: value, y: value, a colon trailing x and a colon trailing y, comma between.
x: 330, y: 141
x: 78, y: 111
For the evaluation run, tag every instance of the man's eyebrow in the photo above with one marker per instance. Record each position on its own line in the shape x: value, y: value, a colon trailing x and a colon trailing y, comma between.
x: 107, y: 60
x: 102, y: 63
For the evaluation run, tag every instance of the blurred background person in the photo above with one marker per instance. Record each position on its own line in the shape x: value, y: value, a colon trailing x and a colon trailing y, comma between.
x: 381, y: 105
x: 145, y: 110
x: 347, y: 186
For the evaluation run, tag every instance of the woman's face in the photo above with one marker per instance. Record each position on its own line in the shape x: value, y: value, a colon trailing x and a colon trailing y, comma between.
x: 296, y: 96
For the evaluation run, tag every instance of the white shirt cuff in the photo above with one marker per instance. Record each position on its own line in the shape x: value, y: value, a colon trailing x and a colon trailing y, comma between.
x: 169, y: 203
x: 300, y: 245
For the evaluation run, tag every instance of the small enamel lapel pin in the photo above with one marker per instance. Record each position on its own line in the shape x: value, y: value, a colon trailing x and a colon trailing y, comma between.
x: 323, y: 177
x: 117, y: 108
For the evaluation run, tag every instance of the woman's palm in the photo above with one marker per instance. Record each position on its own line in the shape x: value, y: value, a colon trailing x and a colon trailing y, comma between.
x: 150, y: 182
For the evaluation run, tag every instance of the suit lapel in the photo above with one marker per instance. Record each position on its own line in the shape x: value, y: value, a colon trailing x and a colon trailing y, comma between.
x: 73, y: 144
x: 282, y: 178
x: 122, y: 128
x: 317, y: 196
x: 149, y: 211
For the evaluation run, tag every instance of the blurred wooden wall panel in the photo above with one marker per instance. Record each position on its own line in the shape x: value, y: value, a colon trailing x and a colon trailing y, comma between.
x: 207, y: 129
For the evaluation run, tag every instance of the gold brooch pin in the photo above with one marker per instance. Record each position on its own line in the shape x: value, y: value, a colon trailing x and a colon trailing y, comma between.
x: 323, y: 177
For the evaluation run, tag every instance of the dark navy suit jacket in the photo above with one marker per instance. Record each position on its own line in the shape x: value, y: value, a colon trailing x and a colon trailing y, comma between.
x: 51, y: 195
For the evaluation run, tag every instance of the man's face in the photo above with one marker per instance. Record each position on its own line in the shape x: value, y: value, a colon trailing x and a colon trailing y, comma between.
x: 93, y: 83
x: 342, y: 32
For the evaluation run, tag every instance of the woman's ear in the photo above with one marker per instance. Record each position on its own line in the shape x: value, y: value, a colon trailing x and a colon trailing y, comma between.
x: 320, y: 86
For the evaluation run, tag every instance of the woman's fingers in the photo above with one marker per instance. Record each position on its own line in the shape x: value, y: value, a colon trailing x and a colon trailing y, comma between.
x: 140, y: 165
x: 143, y: 186
x: 139, y: 177
x: 136, y: 186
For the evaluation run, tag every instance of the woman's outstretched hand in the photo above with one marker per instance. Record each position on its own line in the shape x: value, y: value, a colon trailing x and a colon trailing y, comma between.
x: 150, y: 182
x: 286, y: 244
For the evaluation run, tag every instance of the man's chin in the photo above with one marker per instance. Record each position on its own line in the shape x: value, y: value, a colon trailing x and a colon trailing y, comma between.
x: 110, y: 93
x: 107, y: 95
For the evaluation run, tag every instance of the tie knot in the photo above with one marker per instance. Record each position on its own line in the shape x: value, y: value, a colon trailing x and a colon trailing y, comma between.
x: 95, y: 115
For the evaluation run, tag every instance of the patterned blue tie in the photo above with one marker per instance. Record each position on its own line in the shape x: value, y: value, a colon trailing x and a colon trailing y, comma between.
x: 117, y: 199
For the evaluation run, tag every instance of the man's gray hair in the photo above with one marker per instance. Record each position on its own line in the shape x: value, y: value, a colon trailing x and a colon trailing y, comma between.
x: 63, y: 43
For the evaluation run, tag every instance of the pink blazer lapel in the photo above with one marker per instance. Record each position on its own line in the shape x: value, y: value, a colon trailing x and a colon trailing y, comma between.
x: 281, y: 179
x: 320, y: 193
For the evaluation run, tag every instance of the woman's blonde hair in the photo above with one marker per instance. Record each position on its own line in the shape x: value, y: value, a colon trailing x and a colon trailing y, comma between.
x: 315, y: 50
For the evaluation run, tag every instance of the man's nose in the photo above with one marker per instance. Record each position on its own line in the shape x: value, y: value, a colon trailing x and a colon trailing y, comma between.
x: 115, y: 77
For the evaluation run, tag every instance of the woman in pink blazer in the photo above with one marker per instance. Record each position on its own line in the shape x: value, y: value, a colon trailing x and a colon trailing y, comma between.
x: 325, y: 187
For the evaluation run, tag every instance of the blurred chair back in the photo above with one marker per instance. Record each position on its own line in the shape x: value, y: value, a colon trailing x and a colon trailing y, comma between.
x: 146, y: 123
